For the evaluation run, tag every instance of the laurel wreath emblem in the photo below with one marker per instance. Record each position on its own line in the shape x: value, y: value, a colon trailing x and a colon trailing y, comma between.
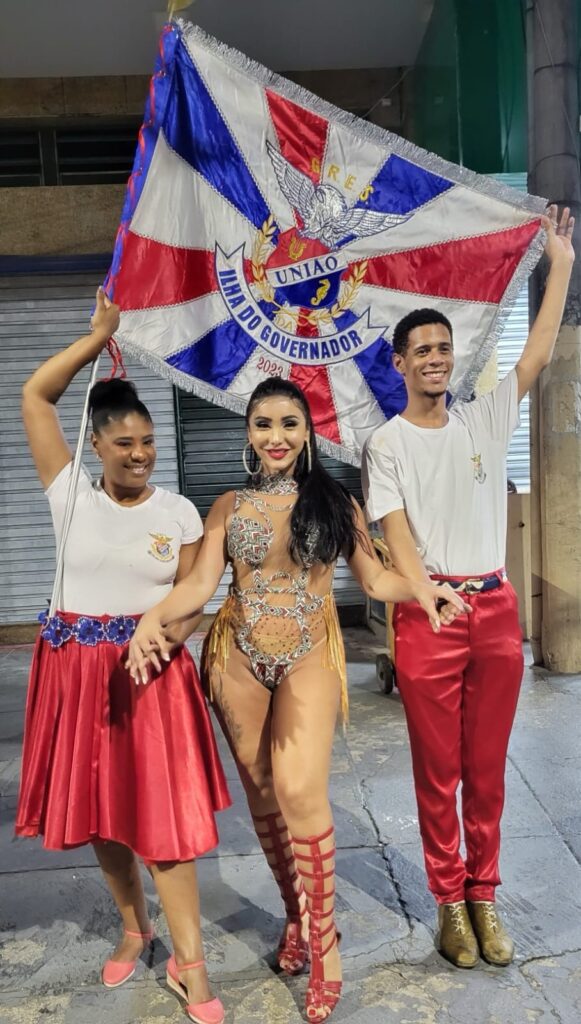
x: 348, y: 290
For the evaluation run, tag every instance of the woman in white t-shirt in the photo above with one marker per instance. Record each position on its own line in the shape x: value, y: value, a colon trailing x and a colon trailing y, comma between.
x: 134, y: 771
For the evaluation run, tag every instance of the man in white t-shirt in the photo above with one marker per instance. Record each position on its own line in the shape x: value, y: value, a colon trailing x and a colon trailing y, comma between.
x: 436, y: 480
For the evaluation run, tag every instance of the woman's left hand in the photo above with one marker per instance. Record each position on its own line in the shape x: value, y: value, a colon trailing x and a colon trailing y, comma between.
x: 430, y: 597
x: 147, y: 645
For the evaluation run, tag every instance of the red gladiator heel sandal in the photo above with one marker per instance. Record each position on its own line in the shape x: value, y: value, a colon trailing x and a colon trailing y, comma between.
x: 322, y: 995
x: 293, y: 951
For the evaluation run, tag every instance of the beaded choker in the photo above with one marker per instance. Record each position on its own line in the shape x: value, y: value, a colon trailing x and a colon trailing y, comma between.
x: 277, y: 483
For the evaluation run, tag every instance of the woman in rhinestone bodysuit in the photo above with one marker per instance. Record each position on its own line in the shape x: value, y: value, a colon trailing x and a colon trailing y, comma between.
x: 274, y: 657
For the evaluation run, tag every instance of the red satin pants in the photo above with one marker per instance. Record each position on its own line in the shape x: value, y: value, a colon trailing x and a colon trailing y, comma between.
x: 460, y: 690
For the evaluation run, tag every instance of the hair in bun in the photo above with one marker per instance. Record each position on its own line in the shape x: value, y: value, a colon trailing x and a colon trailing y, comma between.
x: 112, y: 400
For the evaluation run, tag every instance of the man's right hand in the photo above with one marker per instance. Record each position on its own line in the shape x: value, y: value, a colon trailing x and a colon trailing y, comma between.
x: 430, y: 595
x: 559, y: 245
x: 448, y: 612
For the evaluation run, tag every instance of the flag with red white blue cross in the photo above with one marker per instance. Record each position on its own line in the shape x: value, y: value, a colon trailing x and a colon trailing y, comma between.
x: 266, y: 233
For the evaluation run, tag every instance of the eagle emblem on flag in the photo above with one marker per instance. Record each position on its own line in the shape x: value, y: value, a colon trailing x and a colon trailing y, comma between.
x: 265, y: 232
x: 323, y: 209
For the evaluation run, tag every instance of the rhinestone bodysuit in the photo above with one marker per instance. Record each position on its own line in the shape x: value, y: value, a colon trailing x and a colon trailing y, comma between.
x: 274, y: 618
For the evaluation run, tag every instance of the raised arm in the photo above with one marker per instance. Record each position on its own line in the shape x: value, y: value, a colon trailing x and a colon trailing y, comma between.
x: 187, y: 597
x: 384, y: 585
x: 42, y: 391
x: 538, y: 351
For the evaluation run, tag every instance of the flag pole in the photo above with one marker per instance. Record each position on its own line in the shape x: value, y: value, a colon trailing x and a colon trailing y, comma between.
x: 174, y: 6
x: 71, y: 495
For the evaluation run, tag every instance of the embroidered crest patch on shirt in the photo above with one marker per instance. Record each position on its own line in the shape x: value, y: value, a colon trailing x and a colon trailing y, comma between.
x: 161, y: 547
x: 479, y: 474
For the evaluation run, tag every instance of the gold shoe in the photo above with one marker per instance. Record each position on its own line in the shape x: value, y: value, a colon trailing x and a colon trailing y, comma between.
x: 456, y: 941
x: 495, y: 943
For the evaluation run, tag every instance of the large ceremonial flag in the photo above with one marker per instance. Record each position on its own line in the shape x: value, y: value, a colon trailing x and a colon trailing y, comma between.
x: 265, y: 232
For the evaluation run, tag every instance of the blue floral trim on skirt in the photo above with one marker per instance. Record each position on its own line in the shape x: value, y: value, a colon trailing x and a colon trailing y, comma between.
x: 87, y: 630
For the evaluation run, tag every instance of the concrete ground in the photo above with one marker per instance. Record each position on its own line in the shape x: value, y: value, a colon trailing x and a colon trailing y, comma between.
x: 57, y: 922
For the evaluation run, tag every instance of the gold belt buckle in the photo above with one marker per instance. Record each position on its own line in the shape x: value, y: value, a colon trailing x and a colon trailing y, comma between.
x: 471, y: 586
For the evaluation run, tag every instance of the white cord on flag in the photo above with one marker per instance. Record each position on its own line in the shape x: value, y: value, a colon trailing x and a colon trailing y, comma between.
x: 71, y: 495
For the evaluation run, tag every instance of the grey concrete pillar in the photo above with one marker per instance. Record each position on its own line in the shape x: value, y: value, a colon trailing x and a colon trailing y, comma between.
x: 552, y: 36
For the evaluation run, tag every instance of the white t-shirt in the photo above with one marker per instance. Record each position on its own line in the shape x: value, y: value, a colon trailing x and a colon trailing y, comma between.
x: 119, y: 560
x: 450, y: 480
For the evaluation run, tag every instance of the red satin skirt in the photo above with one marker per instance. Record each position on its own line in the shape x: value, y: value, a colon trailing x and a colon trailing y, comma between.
x: 105, y: 759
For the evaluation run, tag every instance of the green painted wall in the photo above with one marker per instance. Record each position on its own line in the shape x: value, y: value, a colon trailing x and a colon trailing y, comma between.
x: 467, y: 96
x: 431, y: 102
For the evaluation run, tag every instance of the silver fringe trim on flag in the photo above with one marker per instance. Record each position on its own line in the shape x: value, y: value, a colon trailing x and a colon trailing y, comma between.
x: 361, y: 129
x: 367, y: 132
x: 235, y: 403
x: 463, y: 391
x: 409, y: 151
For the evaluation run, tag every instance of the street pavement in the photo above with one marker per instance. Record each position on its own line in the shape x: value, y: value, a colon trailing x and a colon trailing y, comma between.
x: 57, y: 921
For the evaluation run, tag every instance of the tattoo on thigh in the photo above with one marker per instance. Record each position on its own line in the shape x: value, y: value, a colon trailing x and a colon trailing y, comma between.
x: 232, y: 728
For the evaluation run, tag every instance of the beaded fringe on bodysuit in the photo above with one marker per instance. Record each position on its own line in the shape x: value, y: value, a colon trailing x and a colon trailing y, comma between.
x: 217, y: 647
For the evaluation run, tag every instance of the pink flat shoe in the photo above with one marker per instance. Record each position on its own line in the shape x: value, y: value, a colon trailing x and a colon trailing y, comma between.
x: 117, y: 972
x: 210, y: 1012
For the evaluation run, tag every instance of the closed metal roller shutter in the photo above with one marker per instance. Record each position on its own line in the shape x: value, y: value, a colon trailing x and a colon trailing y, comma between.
x: 38, y: 316
x: 510, y: 346
x: 211, y: 445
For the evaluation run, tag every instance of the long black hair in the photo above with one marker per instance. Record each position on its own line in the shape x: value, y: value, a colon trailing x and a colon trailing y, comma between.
x: 112, y: 400
x: 323, y: 522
